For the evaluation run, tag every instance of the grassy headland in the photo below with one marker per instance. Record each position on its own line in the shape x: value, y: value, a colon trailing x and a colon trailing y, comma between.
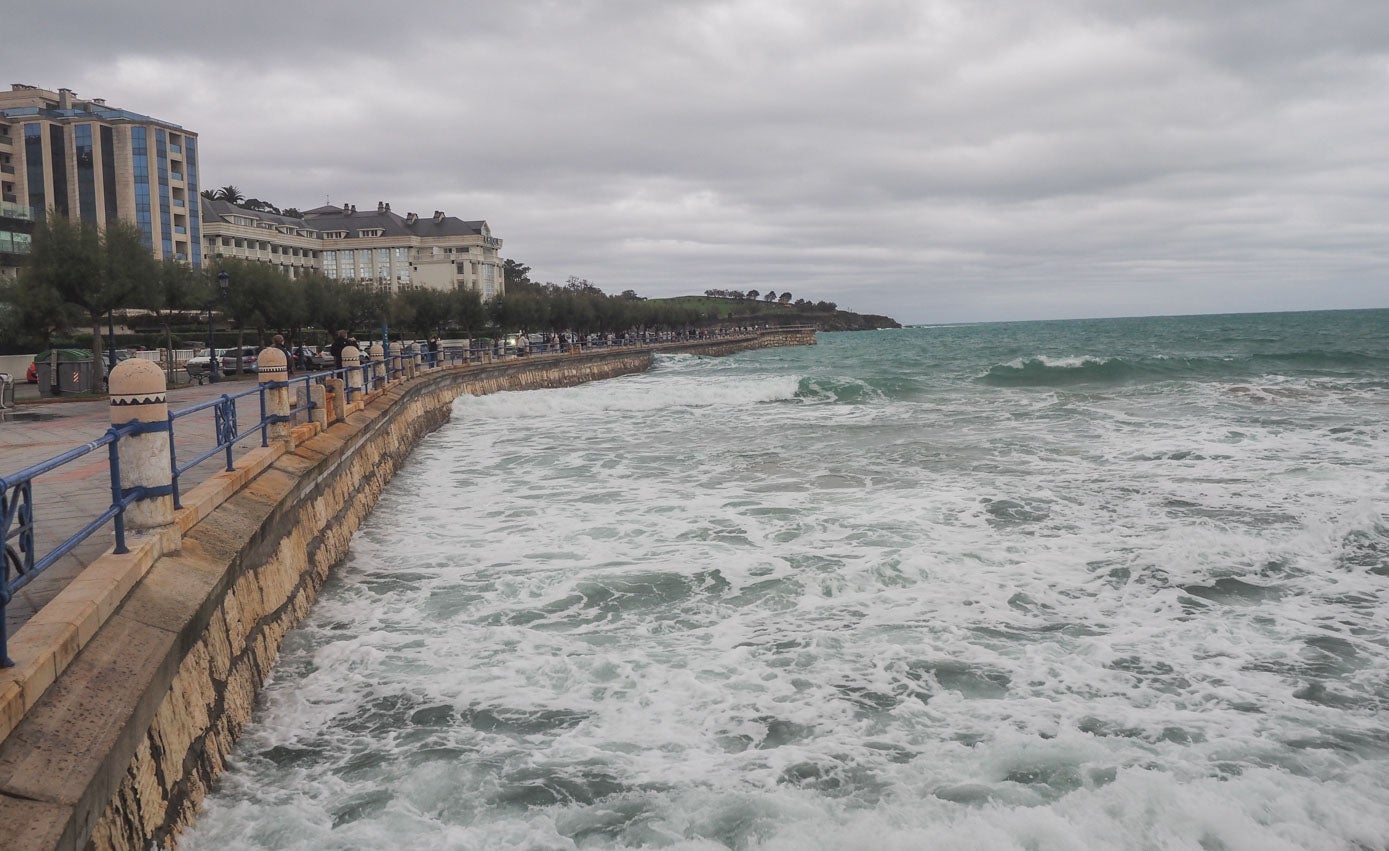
x: 824, y: 315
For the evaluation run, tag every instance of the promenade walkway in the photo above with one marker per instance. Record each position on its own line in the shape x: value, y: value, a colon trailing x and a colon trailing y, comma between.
x: 68, y: 498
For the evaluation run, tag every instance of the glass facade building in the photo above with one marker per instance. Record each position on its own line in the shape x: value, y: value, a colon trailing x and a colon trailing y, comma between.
x: 93, y: 163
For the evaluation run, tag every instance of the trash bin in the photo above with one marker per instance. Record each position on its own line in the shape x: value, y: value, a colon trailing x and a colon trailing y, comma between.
x: 74, y: 375
x: 47, y: 385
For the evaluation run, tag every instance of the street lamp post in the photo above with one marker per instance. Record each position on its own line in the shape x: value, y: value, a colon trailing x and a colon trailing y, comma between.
x: 111, y: 335
x: 223, y: 281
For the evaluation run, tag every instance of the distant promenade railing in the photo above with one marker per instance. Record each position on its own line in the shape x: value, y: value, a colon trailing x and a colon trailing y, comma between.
x: 22, y: 561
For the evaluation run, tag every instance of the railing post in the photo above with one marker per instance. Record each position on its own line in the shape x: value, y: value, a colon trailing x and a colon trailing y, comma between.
x: 378, y: 366
x: 272, y: 367
x: 139, y: 395
x: 352, y: 362
x: 318, y: 404
x: 335, y: 388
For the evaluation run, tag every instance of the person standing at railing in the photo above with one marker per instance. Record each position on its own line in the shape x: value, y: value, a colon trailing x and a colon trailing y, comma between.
x: 339, y: 343
x: 434, y: 351
x: 278, y: 342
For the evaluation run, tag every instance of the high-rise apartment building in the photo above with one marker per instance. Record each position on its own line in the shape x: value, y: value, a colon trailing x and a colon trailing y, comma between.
x: 94, y: 163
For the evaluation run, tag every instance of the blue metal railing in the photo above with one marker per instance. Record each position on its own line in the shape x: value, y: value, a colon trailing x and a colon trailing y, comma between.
x: 17, y: 518
x: 21, y: 562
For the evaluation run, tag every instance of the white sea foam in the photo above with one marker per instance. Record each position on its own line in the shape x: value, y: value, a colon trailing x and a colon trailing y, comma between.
x: 683, y: 610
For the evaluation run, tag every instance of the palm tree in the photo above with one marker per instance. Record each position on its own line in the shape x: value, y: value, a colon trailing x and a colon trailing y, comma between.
x: 230, y: 194
x: 209, y: 194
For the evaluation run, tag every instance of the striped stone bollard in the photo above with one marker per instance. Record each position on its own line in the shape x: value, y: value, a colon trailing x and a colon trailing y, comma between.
x: 139, y: 395
x: 378, y: 366
x: 352, y: 362
x: 272, y: 367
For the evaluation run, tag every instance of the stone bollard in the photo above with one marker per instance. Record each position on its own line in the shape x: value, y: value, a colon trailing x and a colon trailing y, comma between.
x: 336, y: 390
x: 318, y: 410
x: 272, y: 367
x: 378, y: 366
x: 352, y: 362
x: 139, y: 394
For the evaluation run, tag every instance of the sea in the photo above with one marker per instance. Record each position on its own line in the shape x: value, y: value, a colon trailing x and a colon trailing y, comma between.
x: 1111, y: 584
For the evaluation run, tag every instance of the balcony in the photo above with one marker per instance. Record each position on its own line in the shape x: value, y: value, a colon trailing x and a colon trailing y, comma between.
x: 15, y: 211
x: 174, y: 175
x: 178, y: 202
x: 6, y: 169
x: 180, y: 229
x: 175, y: 149
x: 6, y: 139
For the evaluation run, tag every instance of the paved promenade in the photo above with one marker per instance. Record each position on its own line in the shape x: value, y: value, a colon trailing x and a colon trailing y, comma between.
x: 68, y: 498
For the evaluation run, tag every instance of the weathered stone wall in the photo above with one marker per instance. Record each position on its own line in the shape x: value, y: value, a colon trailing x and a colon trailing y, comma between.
x: 121, y: 749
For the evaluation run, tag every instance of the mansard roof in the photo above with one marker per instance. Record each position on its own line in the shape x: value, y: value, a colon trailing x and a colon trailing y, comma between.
x: 223, y: 209
x: 331, y: 218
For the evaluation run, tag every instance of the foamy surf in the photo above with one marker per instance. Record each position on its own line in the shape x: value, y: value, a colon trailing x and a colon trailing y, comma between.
x: 690, y: 610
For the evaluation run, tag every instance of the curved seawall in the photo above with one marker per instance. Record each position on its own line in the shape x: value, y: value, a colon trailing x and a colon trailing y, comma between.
x: 121, y: 748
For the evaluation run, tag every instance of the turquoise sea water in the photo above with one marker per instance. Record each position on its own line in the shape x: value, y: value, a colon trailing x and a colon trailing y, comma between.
x: 1054, y: 585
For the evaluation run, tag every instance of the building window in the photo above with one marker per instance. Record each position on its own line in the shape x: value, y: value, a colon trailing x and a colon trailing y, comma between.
x: 86, y: 172
x: 108, y: 173
x: 140, y: 165
x: 161, y: 161
x: 33, y: 160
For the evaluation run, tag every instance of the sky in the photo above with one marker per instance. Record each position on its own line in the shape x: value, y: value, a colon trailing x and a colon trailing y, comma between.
x: 932, y: 160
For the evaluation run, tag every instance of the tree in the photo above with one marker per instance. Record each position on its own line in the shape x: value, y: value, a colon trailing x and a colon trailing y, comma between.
x: 292, y: 212
x: 420, y: 310
x: 93, y: 271
x: 467, y: 310
x: 209, y: 194
x: 230, y: 194
x: 785, y: 297
x: 259, y: 206
x: 180, y: 287
x: 752, y: 295
x: 33, y: 313
x: 770, y: 296
x: 515, y: 273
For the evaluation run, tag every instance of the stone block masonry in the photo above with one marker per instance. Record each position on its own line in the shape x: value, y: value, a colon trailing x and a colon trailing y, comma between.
x: 119, y: 751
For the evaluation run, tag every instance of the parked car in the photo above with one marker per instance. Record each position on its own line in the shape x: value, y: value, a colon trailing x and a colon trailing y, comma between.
x: 200, y: 365
x: 248, y: 358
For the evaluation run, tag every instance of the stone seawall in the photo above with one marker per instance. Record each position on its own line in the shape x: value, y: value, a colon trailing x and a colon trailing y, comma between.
x: 122, y: 747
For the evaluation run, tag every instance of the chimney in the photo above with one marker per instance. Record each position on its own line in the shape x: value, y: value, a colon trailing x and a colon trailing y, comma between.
x: 438, y: 216
x: 347, y: 209
x: 411, y: 218
x: 65, y: 98
x: 388, y: 206
x: 380, y: 206
x: 354, y: 209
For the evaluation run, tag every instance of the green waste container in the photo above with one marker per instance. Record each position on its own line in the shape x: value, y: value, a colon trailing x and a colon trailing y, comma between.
x: 74, y: 375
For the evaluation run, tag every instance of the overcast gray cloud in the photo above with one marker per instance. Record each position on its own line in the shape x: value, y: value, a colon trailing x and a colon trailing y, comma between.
x: 937, y: 160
